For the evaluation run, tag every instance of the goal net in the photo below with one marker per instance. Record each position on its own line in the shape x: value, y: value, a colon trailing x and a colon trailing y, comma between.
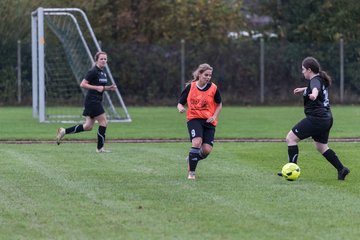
x: 63, y: 46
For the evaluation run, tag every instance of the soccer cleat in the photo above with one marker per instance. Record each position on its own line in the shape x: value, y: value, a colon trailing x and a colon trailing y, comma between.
x: 59, y: 135
x: 342, y: 173
x: 102, y: 150
x: 191, y: 175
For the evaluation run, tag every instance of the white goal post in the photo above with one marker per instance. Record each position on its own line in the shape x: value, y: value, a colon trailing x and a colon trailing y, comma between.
x: 63, y: 46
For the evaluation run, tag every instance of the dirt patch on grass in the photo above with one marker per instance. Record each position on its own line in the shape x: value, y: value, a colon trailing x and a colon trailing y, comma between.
x: 32, y: 141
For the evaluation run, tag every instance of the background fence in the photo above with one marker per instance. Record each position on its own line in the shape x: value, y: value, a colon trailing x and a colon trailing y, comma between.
x: 152, y: 74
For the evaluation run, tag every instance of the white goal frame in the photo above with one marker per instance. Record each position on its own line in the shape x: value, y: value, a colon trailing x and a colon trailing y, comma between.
x: 38, y: 62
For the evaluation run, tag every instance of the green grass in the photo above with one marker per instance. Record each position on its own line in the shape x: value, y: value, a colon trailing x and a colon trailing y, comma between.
x: 140, y: 191
x: 166, y: 122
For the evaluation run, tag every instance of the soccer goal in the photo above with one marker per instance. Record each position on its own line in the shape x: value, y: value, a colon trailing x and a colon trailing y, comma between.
x: 63, y: 46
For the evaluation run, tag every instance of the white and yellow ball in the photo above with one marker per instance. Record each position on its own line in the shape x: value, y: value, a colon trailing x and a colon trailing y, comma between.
x: 291, y: 171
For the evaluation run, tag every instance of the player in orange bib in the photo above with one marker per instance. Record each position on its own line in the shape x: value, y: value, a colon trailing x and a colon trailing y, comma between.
x: 204, y: 105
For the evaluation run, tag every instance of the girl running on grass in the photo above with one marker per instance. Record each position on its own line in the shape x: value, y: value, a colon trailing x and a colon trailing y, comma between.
x: 95, y: 82
x: 318, y: 118
x: 204, y: 105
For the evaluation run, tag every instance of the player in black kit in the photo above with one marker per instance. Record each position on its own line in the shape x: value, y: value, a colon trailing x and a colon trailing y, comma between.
x: 95, y: 82
x: 318, y: 120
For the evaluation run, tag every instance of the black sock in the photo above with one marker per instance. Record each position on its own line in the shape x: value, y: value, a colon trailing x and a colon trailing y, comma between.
x: 101, y: 137
x: 194, y: 157
x: 74, y: 129
x: 293, y: 153
x: 330, y: 155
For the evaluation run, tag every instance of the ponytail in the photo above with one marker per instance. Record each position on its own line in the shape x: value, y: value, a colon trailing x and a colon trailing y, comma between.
x: 326, y: 78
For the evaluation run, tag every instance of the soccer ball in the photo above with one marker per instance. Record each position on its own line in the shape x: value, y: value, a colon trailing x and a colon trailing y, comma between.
x: 291, y: 171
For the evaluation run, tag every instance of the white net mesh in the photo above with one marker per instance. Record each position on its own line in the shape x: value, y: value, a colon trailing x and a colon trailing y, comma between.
x: 69, y: 50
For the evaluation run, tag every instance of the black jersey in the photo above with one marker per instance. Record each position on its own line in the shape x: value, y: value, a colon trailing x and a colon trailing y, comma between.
x: 320, y: 108
x: 185, y: 93
x: 96, y: 77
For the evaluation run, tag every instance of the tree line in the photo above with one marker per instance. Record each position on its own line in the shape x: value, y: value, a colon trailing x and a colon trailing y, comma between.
x: 143, y: 37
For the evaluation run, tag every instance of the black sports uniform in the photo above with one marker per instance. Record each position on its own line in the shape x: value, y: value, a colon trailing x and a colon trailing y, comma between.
x: 93, y: 99
x: 319, y: 120
x: 92, y: 104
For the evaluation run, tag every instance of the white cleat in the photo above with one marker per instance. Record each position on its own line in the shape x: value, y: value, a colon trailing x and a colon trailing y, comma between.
x: 191, y: 175
x: 102, y: 150
x: 60, y: 135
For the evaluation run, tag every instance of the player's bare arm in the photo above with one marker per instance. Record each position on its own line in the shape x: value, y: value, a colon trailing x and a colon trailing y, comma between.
x: 85, y: 84
x: 314, y: 94
x: 181, y: 108
x: 112, y: 87
x: 299, y: 90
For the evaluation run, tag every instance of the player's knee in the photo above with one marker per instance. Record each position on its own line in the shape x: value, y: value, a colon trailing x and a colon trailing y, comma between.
x: 206, y: 149
x: 102, y: 120
x: 196, y: 142
x: 87, y: 127
x: 291, y: 138
x: 103, y: 123
x: 321, y: 148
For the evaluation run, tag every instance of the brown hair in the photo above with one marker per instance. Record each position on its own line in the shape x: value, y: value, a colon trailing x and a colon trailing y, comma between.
x: 314, y: 65
x: 96, y: 57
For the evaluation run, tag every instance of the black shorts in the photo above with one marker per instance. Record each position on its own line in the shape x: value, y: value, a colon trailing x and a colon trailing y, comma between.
x: 317, y: 128
x: 200, y: 128
x: 93, y: 110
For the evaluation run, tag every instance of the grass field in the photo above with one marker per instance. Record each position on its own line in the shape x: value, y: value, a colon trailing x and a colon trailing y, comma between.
x: 140, y: 190
x: 166, y: 122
